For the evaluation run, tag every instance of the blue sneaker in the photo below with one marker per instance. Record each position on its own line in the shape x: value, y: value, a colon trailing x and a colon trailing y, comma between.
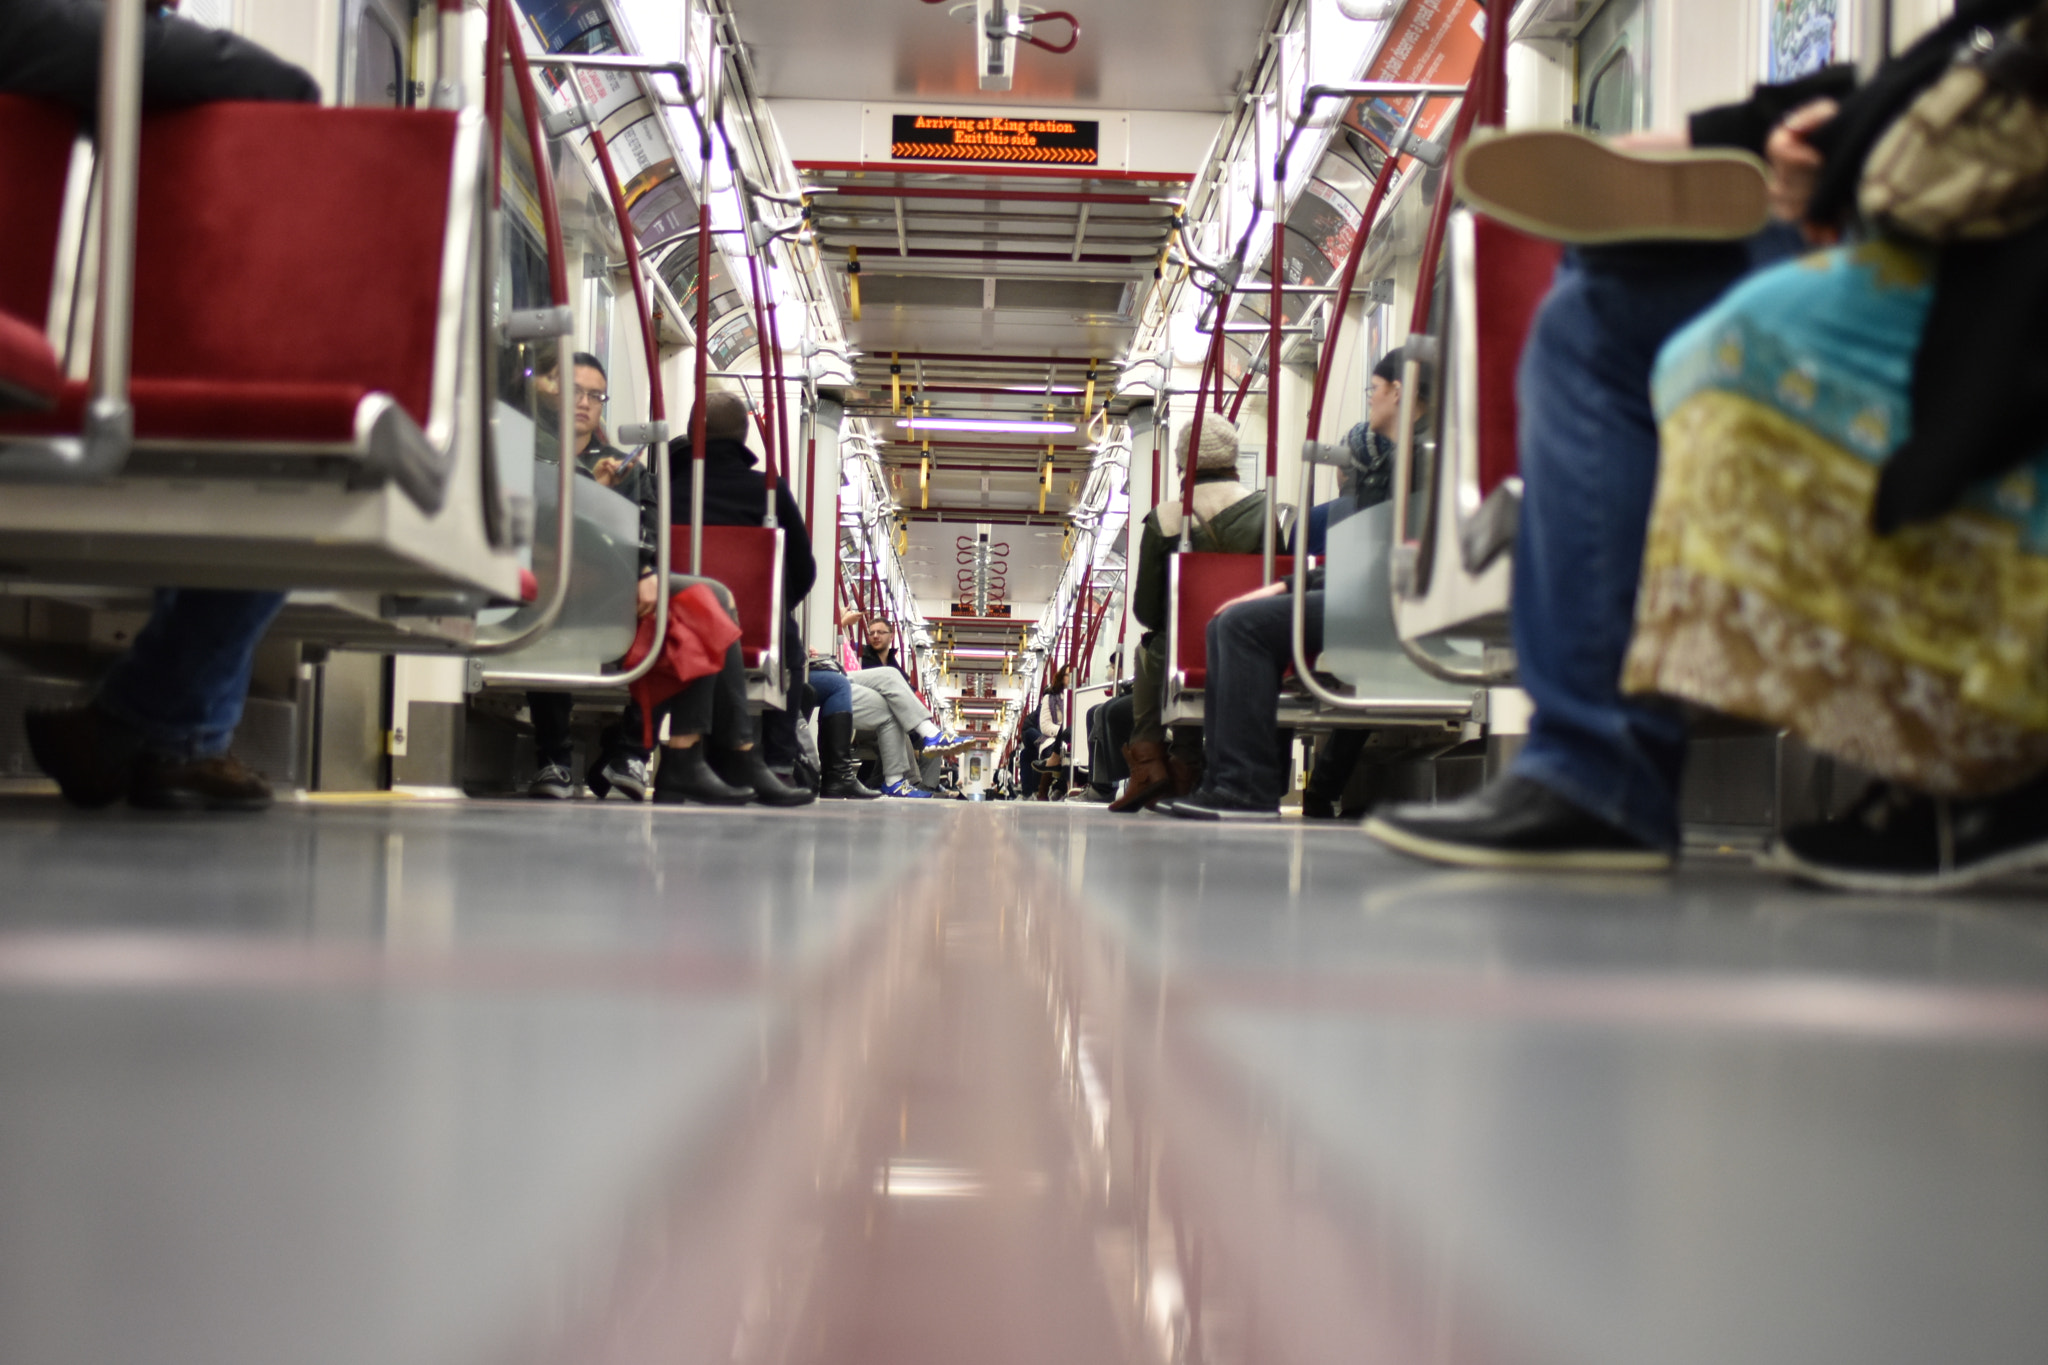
x: 904, y: 788
x: 944, y: 742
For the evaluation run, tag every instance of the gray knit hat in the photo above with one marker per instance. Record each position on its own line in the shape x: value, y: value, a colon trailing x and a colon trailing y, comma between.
x: 1219, y: 443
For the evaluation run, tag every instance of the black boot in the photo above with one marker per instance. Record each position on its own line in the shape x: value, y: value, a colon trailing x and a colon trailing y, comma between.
x: 746, y: 768
x: 835, y: 756
x: 685, y: 776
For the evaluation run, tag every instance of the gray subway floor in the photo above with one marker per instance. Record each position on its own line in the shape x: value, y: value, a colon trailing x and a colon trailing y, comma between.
x: 390, y: 1081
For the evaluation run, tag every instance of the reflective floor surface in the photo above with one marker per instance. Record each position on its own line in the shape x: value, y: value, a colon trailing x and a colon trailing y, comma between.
x: 925, y: 1083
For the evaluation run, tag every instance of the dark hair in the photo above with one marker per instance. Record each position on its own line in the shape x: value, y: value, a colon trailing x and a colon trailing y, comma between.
x: 582, y: 358
x: 1389, y: 367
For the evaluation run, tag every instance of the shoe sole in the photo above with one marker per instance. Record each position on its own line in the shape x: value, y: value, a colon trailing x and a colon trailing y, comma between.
x: 553, y: 793
x: 1778, y: 858
x: 1184, y: 811
x: 1569, y: 187
x: 1513, y: 859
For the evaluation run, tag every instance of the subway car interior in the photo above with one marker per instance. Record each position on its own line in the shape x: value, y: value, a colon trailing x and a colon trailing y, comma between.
x: 372, y: 989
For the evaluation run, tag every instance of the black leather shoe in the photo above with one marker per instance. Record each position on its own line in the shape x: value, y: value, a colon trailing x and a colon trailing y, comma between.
x: 1895, y: 841
x: 1513, y: 823
x: 1210, y: 805
x: 222, y: 783
x: 684, y: 776
x: 85, y: 750
x: 746, y: 768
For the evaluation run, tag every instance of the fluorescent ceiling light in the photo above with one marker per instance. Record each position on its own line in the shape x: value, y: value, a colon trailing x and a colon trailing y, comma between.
x: 982, y: 424
x: 980, y: 653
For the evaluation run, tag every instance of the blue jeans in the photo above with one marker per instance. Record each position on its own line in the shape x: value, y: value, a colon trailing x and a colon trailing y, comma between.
x: 835, y: 693
x: 1588, y: 450
x: 181, y: 685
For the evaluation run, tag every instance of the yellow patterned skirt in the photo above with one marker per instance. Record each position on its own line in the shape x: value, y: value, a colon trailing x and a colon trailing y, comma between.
x: 1921, y: 656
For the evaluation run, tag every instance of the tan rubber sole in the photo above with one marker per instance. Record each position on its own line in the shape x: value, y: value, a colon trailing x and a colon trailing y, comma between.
x: 1518, y: 860
x: 1573, y: 188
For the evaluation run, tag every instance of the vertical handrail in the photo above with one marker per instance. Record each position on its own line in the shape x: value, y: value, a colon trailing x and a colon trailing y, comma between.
x: 448, y: 55
x: 757, y: 276
x: 1342, y: 304
x: 558, y: 296
x: 109, y: 418
x: 1272, y: 527
x: 657, y: 468
x: 1194, y: 457
x: 698, y: 415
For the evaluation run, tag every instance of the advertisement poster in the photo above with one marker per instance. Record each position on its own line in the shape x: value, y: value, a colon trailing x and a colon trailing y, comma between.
x: 1430, y: 42
x: 1802, y: 36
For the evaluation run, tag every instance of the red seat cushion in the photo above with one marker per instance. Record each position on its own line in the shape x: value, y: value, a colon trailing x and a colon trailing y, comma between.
x: 1206, y: 582
x: 187, y: 409
x: 35, y: 157
x: 29, y: 372
x: 748, y: 561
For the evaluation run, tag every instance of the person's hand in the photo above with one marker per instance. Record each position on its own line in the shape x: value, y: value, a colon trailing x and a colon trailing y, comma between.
x: 1795, y: 163
x: 1270, y: 590
x: 849, y: 618
x: 649, y: 597
x: 608, y: 471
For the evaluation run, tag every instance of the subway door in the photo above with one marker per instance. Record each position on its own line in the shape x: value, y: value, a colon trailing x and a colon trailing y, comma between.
x: 1611, y: 74
x: 379, y: 54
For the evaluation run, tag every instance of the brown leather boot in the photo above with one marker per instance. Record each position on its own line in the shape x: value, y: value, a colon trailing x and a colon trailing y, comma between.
x: 1186, y: 775
x: 1150, y: 777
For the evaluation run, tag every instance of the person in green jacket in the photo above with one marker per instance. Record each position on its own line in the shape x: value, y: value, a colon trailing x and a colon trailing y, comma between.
x: 1229, y: 518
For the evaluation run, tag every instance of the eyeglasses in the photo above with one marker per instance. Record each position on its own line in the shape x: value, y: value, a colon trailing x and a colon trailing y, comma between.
x: 597, y: 396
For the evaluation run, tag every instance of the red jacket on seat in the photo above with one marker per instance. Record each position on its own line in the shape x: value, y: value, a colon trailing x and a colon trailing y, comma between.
x: 699, y: 634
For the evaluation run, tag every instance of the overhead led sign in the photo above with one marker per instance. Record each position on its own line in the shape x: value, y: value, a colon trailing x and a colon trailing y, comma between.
x: 1023, y: 141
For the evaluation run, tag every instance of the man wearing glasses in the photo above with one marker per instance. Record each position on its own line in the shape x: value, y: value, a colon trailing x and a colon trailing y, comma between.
x: 554, y: 749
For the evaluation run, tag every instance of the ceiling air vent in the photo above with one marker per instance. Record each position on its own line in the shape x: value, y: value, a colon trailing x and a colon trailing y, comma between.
x: 1061, y: 296
x: 919, y: 291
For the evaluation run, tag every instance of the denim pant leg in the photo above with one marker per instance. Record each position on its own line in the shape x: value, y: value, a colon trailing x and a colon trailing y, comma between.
x: 835, y: 693
x: 1250, y: 646
x: 181, y: 685
x: 1588, y: 450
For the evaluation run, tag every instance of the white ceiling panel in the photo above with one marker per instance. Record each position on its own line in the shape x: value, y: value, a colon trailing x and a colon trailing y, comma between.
x: 1132, y: 54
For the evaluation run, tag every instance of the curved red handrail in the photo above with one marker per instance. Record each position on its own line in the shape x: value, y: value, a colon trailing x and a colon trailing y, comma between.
x: 657, y: 407
x: 1072, y: 38
x: 1187, y: 493
x: 536, y: 139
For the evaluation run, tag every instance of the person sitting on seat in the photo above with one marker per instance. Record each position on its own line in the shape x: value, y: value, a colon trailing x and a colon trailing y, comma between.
x: 736, y: 494
x: 1229, y: 518
x: 1597, y: 784
x: 838, y: 768
x: 621, y: 765
x: 893, y: 703
x: 159, y: 724
x: 1250, y: 642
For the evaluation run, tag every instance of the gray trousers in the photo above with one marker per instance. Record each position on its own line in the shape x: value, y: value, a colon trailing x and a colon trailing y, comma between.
x: 874, y: 720
x: 886, y: 710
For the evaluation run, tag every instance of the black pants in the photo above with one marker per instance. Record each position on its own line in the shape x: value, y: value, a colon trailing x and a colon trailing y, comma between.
x: 552, y: 742
x: 715, y: 706
x: 1109, y: 730
x: 51, y: 49
x: 779, y: 743
x: 1336, y: 759
x: 1250, y: 646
